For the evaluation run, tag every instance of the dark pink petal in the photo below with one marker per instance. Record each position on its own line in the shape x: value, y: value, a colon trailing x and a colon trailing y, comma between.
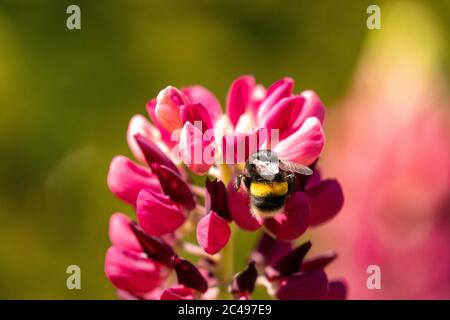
x: 188, y: 274
x: 213, y: 233
x: 179, y: 292
x: 244, y: 281
x: 283, y: 116
x: 277, y: 91
x: 121, y: 234
x: 196, y: 152
x: 153, y: 154
x: 196, y: 114
x: 337, y: 290
x: 127, y: 178
x: 270, y: 250
x: 167, y: 109
x: 132, y: 271
x: 239, y: 97
x: 155, y: 248
x: 239, y: 205
x: 174, y: 186
x: 157, y: 213
x: 303, y: 286
x: 304, y: 145
x: 293, y: 222
x: 140, y: 125
x: 314, y: 179
x: 199, y: 94
x: 318, y: 262
x: 326, y: 201
x: 216, y: 198
x: 165, y: 134
x: 289, y: 263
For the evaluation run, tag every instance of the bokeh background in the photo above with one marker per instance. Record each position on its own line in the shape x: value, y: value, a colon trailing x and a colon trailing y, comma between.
x: 66, y: 98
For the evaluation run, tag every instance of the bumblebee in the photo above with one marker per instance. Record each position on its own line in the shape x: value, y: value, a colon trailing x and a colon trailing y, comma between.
x: 269, y: 181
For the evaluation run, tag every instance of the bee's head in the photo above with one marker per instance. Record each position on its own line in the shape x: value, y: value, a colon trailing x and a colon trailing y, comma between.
x: 263, y: 164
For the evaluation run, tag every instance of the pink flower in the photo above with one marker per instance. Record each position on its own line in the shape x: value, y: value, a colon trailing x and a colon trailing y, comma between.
x: 188, y: 128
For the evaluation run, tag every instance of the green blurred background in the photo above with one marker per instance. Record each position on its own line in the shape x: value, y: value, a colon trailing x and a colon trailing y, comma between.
x: 66, y: 98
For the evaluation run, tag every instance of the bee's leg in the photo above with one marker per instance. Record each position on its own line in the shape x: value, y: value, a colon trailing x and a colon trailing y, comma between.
x: 291, y: 182
x: 237, y: 185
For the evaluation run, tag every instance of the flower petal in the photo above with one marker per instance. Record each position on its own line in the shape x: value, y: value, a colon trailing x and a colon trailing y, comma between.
x: 126, y: 179
x: 277, y: 91
x: 174, y: 186
x: 303, y: 146
x: 166, y: 135
x: 179, y: 292
x: 196, y: 113
x: 154, y: 248
x: 244, y: 281
x: 289, y: 263
x: 239, y: 205
x: 337, y: 290
x: 131, y: 271
x: 216, y: 198
x: 270, y: 250
x: 153, y: 153
x: 195, y: 151
x: 318, y: 262
x: 237, y: 147
x: 140, y: 125
x: 293, y: 222
x: 326, y: 200
x: 312, y: 107
x: 157, y: 214
x: 188, y: 274
x: 206, y: 98
x: 303, y: 286
x: 167, y: 109
x: 213, y: 233
x: 239, y: 97
x: 121, y: 234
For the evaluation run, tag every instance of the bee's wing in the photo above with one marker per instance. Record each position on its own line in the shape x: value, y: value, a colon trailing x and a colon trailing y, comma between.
x: 295, y: 167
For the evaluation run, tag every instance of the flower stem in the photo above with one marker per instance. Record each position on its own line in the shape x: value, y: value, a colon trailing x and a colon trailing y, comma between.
x: 225, y: 270
x: 226, y: 267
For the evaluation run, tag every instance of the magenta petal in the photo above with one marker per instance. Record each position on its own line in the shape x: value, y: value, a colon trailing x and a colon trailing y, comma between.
x: 237, y: 147
x: 179, y: 292
x: 283, y: 116
x: 213, y: 233
x: 244, y: 281
x: 140, y: 125
x: 199, y: 94
x: 126, y: 179
x: 132, y: 271
x: 318, y: 262
x: 157, y: 214
x: 167, y: 109
x: 277, y: 91
x: 337, y: 290
x: 216, y: 198
x: 326, y: 199
x: 289, y: 263
x: 195, y: 151
x: 293, y: 222
x: 239, y: 97
x: 174, y: 186
x: 153, y: 153
x: 305, y: 145
x: 303, y: 286
x: 239, y: 205
x: 121, y: 234
x: 165, y: 134
x: 270, y: 250
x: 188, y: 274
x: 196, y: 114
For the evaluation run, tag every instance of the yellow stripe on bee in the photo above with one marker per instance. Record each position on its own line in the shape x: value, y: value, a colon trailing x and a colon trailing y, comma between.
x: 264, y: 189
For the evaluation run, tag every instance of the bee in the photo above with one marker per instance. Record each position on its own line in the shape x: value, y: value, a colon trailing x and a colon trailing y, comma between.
x: 269, y: 181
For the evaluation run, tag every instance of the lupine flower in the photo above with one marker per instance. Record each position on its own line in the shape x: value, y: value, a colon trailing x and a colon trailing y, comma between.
x: 189, y: 132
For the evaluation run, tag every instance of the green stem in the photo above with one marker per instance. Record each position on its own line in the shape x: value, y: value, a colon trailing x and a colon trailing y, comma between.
x: 226, y: 267
x: 225, y: 270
